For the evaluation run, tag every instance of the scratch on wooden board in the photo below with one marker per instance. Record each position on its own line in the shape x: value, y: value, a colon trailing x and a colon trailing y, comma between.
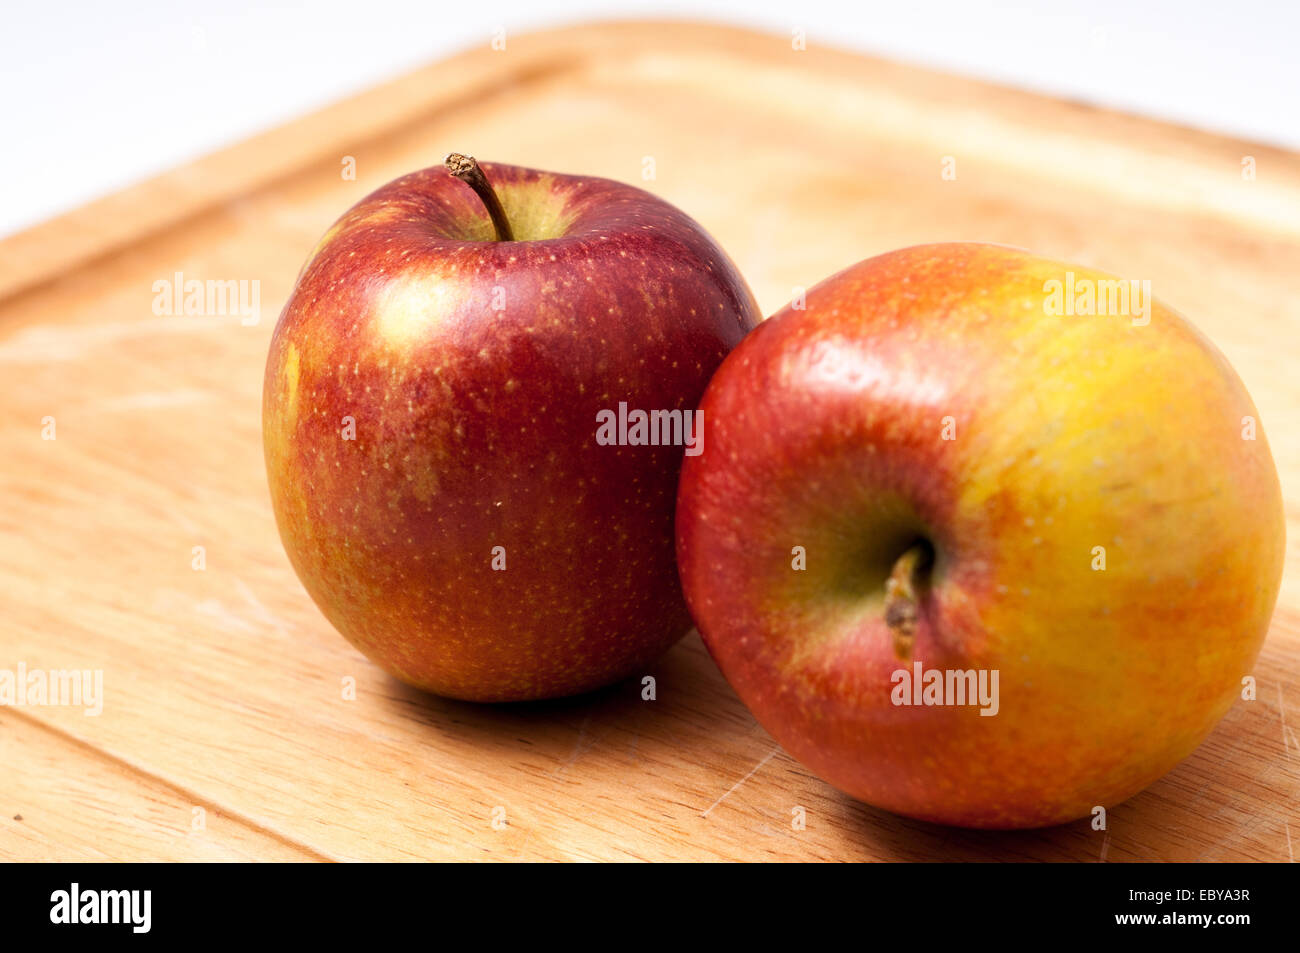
x: 181, y: 520
x: 1288, y: 736
x: 752, y: 772
x: 580, y: 747
x: 261, y: 611
x: 216, y: 610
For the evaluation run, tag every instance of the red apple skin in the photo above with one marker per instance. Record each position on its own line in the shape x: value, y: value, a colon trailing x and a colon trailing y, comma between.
x: 825, y: 430
x: 475, y: 427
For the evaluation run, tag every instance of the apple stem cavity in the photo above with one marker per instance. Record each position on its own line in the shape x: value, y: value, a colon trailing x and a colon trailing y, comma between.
x: 901, y: 588
x: 467, y: 169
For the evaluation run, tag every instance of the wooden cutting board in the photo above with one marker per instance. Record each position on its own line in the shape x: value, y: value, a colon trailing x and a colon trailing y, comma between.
x: 226, y: 732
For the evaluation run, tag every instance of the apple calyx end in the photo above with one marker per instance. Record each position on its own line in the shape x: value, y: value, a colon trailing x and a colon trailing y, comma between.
x: 901, y: 612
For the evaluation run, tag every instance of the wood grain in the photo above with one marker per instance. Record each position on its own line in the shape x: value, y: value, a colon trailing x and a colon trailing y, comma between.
x: 224, y: 688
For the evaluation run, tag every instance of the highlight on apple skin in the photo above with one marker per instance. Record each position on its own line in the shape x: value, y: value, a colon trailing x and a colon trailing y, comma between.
x: 430, y: 411
x: 944, y: 463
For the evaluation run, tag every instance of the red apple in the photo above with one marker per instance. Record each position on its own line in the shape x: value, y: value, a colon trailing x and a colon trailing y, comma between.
x: 431, y: 406
x: 1024, y: 476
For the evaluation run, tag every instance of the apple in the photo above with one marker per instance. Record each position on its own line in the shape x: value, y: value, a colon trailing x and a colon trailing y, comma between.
x: 981, y: 538
x: 431, y: 406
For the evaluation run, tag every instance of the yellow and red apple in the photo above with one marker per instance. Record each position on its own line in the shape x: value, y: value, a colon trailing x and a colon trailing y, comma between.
x: 965, y: 459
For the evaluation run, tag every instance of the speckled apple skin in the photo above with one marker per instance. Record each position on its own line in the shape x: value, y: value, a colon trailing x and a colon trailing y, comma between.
x: 475, y: 427
x: 1072, y: 432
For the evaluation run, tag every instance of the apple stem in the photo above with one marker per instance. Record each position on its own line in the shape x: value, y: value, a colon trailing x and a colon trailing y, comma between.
x: 467, y: 169
x: 901, y: 596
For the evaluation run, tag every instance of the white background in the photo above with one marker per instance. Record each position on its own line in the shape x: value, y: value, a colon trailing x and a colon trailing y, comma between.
x: 98, y: 95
